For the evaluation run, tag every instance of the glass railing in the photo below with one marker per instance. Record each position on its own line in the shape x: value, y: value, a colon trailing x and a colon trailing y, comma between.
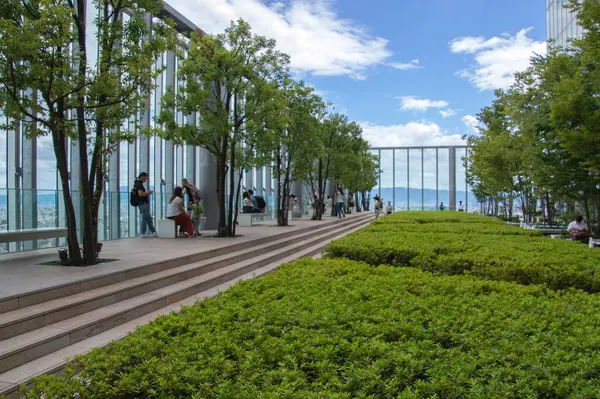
x: 117, y: 219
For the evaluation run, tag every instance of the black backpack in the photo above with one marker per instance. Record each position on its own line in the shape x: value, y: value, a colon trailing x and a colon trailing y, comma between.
x: 260, y: 201
x: 134, y: 198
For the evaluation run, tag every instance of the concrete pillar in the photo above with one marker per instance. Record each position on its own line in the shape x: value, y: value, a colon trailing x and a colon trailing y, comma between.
x: 190, y: 163
x: 250, y: 180
x: 169, y: 172
x: 452, y: 178
x: 207, y: 181
x: 260, y: 182
x: 112, y: 196
x: 132, y: 175
x: 297, y: 191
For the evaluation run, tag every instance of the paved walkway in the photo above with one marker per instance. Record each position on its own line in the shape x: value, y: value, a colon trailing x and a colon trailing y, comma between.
x: 21, y: 272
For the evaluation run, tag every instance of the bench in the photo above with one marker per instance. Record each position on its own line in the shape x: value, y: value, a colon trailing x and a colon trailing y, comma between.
x: 246, y: 219
x: 41, y: 233
x: 167, y: 228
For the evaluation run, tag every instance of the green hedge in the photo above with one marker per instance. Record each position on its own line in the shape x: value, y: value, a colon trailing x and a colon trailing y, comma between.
x: 340, y: 329
x: 438, y: 217
x: 454, y: 228
x: 487, y: 250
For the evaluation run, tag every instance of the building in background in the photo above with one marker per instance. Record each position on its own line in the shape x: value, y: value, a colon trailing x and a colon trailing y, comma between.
x: 561, y: 24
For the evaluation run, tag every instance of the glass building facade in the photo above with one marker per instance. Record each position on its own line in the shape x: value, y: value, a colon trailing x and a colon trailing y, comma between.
x: 30, y: 189
x: 561, y: 24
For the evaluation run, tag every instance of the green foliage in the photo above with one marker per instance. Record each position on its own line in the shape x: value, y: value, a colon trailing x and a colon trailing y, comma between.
x: 458, y: 244
x: 540, y: 140
x: 50, y: 85
x: 341, y: 329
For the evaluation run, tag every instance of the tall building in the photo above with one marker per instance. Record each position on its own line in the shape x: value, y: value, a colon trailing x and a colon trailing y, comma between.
x: 561, y: 23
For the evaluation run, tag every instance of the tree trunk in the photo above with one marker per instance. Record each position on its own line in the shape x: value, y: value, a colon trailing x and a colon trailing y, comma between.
x: 221, y: 174
x: 237, y: 202
x: 60, y: 151
x: 598, y: 214
x: 549, y: 209
x: 232, y: 208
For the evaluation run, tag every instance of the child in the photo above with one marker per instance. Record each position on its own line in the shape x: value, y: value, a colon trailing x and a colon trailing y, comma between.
x: 388, y: 208
x: 197, y: 209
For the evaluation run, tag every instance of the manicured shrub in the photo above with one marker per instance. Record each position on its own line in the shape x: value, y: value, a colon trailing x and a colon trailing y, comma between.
x: 341, y: 329
x: 486, y: 250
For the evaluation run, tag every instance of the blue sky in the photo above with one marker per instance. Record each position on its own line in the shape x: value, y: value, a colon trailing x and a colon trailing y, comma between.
x: 395, y: 65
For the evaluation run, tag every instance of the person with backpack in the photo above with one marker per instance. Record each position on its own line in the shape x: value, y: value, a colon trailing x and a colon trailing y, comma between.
x: 258, y: 202
x: 140, y: 198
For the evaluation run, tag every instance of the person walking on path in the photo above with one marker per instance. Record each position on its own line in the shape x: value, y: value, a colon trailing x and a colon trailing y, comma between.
x: 142, y: 197
x: 339, y: 198
x: 176, y: 212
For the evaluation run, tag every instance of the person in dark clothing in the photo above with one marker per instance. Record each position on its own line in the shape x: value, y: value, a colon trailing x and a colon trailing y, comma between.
x: 147, y: 226
x: 254, y: 202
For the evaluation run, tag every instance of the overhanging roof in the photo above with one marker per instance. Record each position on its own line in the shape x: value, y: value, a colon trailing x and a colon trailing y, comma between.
x: 182, y: 24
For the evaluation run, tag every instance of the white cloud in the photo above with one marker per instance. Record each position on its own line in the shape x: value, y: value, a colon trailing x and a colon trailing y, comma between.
x: 414, y: 64
x: 496, y: 59
x: 411, y: 103
x: 447, y: 113
x: 471, y: 123
x: 317, y: 39
x: 423, y: 133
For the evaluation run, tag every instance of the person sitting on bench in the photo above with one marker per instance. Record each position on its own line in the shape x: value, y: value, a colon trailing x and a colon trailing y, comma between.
x: 578, y: 230
x: 176, y: 212
x: 247, y: 205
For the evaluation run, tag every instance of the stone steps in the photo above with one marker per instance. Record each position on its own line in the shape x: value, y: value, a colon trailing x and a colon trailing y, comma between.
x: 36, y: 351
x: 12, y: 303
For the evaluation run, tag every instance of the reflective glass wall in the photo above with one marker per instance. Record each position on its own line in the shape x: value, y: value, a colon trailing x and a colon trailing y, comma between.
x: 30, y: 189
x: 424, y: 178
x: 561, y: 24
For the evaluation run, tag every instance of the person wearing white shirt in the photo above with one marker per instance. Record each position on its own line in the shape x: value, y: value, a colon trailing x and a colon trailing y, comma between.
x: 388, y: 208
x: 176, y: 212
x: 578, y: 230
x: 247, y: 204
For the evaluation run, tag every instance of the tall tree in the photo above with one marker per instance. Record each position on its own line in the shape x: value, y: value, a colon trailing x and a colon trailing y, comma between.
x: 49, y: 81
x: 228, y: 82
x: 296, y: 147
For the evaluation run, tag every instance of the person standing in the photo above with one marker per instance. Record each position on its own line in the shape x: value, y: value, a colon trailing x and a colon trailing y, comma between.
x: 141, y: 199
x: 339, y: 198
x: 197, y: 210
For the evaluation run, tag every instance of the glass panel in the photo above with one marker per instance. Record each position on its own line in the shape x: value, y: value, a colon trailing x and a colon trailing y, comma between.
x: 400, y: 181
x: 414, y: 174
x: 429, y: 171
x: 46, y: 164
x: 387, y: 176
x: 443, y: 178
